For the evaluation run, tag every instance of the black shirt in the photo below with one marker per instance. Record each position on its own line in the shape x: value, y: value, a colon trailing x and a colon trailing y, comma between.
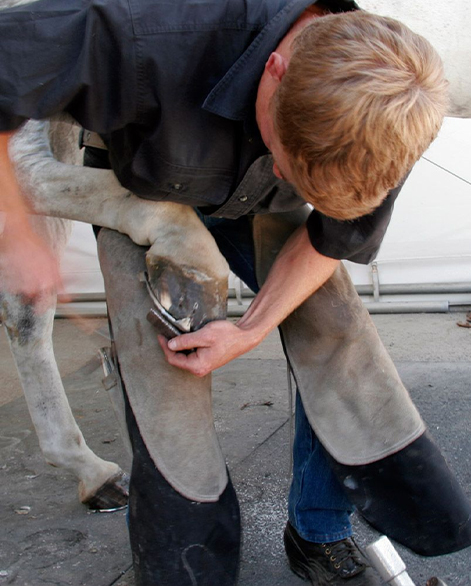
x: 171, y: 88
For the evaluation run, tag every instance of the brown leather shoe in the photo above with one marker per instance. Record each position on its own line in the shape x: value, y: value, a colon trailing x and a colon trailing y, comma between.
x: 328, y: 564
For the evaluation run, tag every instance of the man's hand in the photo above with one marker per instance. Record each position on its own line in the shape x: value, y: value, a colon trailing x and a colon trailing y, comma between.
x: 215, y: 344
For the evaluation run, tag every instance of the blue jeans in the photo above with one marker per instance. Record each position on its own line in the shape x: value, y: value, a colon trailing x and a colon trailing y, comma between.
x: 317, y: 506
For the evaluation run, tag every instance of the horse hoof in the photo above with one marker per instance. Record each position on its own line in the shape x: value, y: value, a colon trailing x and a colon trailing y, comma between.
x: 111, y: 496
x: 189, y: 296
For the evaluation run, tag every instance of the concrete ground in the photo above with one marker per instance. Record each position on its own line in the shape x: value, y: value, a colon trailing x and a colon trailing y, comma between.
x: 48, y: 538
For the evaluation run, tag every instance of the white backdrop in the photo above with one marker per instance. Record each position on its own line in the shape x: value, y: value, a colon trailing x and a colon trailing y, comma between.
x: 428, y: 241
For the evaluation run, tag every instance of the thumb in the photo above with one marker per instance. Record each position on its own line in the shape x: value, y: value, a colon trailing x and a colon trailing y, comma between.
x: 187, y: 342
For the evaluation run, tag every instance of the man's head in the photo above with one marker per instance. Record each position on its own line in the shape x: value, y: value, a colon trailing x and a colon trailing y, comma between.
x: 354, y: 102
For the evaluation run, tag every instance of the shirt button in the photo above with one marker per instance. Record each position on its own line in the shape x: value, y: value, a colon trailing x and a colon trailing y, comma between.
x: 250, y: 139
x: 177, y: 186
x: 243, y: 198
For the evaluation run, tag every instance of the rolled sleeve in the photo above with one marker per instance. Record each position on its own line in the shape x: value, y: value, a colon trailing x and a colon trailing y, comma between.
x: 355, y: 240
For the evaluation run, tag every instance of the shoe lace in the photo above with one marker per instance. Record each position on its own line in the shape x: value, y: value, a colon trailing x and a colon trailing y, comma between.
x: 344, y: 553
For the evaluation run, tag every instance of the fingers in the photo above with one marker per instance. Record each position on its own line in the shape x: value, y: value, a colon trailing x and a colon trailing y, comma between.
x: 42, y: 302
x: 31, y: 288
x: 216, y: 344
x: 188, y: 342
x: 193, y: 362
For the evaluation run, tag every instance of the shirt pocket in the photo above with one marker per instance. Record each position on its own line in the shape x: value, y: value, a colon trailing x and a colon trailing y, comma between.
x: 187, y: 185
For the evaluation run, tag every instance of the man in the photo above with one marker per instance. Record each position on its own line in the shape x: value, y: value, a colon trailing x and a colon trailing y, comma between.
x: 189, y: 99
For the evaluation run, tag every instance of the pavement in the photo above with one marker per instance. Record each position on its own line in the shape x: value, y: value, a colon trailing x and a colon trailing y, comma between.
x: 48, y: 538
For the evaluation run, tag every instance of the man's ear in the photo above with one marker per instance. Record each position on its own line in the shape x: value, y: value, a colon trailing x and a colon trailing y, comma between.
x: 276, y: 66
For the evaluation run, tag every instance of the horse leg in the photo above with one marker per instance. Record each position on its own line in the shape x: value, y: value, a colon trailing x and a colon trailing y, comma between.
x: 60, y: 439
x: 30, y: 335
x: 186, y: 271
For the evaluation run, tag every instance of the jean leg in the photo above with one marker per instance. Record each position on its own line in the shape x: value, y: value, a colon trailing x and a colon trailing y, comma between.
x: 235, y: 241
x: 317, y: 505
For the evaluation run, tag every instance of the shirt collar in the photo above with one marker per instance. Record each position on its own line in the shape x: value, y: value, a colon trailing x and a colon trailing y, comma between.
x: 234, y: 95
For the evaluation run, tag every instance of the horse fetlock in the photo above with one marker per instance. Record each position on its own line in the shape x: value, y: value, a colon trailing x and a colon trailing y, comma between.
x: 92, y: 471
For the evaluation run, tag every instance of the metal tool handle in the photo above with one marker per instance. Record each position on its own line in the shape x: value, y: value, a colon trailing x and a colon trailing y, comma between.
x: 388, y: 563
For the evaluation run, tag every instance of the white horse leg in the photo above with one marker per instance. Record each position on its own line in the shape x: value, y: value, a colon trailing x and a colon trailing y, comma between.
x: 60, y: 439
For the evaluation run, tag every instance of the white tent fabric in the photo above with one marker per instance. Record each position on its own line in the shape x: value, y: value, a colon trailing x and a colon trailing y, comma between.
x: 428, y: 240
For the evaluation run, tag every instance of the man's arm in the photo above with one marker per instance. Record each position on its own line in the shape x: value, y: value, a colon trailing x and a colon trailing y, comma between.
x: 28, y: 265
x: 298, y: 271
